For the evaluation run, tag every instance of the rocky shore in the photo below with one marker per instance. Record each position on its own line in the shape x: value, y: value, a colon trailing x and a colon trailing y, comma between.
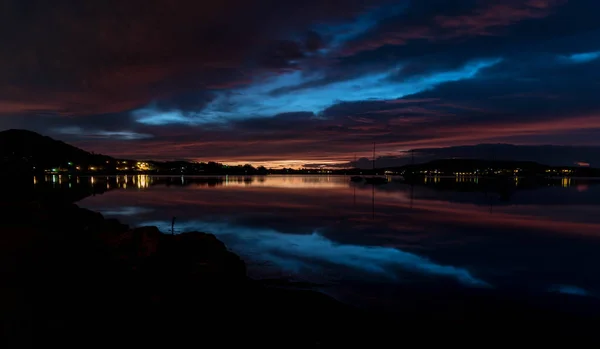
x: 71, y: 277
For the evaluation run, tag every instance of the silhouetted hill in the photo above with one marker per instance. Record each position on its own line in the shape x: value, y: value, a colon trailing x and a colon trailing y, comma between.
x: 475, y: 164
x: 473, y: 167
x: 23, y: 151
x: 553, y: 155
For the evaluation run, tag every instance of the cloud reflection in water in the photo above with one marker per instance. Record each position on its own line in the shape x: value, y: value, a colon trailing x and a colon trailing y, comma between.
x: 125, y: 211
x: 293, y: 252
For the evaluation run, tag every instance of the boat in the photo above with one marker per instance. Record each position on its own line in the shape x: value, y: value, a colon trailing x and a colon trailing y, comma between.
x: 376, y: 180
x: 398, y: 179
x: 372, y: 179
x: 356, y: 179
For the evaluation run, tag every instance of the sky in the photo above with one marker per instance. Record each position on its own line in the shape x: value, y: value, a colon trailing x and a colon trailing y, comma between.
x: 293, y: 83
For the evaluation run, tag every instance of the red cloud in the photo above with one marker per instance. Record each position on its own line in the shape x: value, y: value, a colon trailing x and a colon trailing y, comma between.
x: 480, y: 21
x: 497, y: 14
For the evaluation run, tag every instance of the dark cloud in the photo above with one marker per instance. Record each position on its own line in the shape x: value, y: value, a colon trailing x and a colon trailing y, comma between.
x: 109, y: 56
x: 283, y: 54
x: 437, y: 20
x: 313, y: 41
x: 190, y: 100
x: 523, y: 27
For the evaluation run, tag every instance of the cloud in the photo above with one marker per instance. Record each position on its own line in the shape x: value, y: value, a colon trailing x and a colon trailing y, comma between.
x: 100, y: 57
x: 582, y: 57
x: 311, y: 83
x: 313, y: 41
x: 571, y: 290
x: 121, y: 135
x: 438, y: 20
x: 257, y: 100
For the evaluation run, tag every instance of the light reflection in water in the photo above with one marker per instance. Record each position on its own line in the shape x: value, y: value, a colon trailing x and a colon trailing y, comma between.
x: 272, y: 181
x: 582, y: 188
x: 290, y: 182
x: 465, y: 179
x: 143, y: 181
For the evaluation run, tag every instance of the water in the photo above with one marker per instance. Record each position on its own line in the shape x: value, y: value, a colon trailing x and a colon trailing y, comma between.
x: 539, y: 238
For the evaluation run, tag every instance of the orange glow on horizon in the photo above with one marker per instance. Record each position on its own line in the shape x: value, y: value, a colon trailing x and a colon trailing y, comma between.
x: 279, y: 164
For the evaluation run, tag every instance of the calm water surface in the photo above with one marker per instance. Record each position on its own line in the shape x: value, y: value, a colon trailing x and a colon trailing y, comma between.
x: 325, y: 229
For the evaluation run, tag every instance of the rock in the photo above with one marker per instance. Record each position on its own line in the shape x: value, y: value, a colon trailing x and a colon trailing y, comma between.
x: 84, y: 217
x: 201, y: 256
x: 114, y: 226
x: 135, y: 244
x: 69, y: 218
x: 75, y: 233
x: 200, y: 242
x: 146, y: 240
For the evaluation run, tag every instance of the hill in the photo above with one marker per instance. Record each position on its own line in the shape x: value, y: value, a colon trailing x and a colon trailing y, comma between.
x: 479, y: 167
x: 552, y: 155
x: 23, y: 151
x: 472, y: 165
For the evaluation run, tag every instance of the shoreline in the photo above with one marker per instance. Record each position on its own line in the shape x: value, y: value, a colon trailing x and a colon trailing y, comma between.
x: 67, y: 269
x: 348, y: 174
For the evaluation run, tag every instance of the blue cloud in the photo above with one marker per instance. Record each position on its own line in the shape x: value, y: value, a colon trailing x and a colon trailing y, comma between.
x: 293, y: 252
x: 258, y: 100
x: 568, y: 289
x: 81, y: 132
x: 345, y: 32
x: 152, y: 116
x: 583, y: 57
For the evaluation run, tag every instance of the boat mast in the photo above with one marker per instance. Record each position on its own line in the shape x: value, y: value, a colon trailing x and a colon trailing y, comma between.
x: 373, y: 157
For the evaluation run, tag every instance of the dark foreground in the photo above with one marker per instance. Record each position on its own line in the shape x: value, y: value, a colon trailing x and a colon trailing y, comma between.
x: 71, y: 277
